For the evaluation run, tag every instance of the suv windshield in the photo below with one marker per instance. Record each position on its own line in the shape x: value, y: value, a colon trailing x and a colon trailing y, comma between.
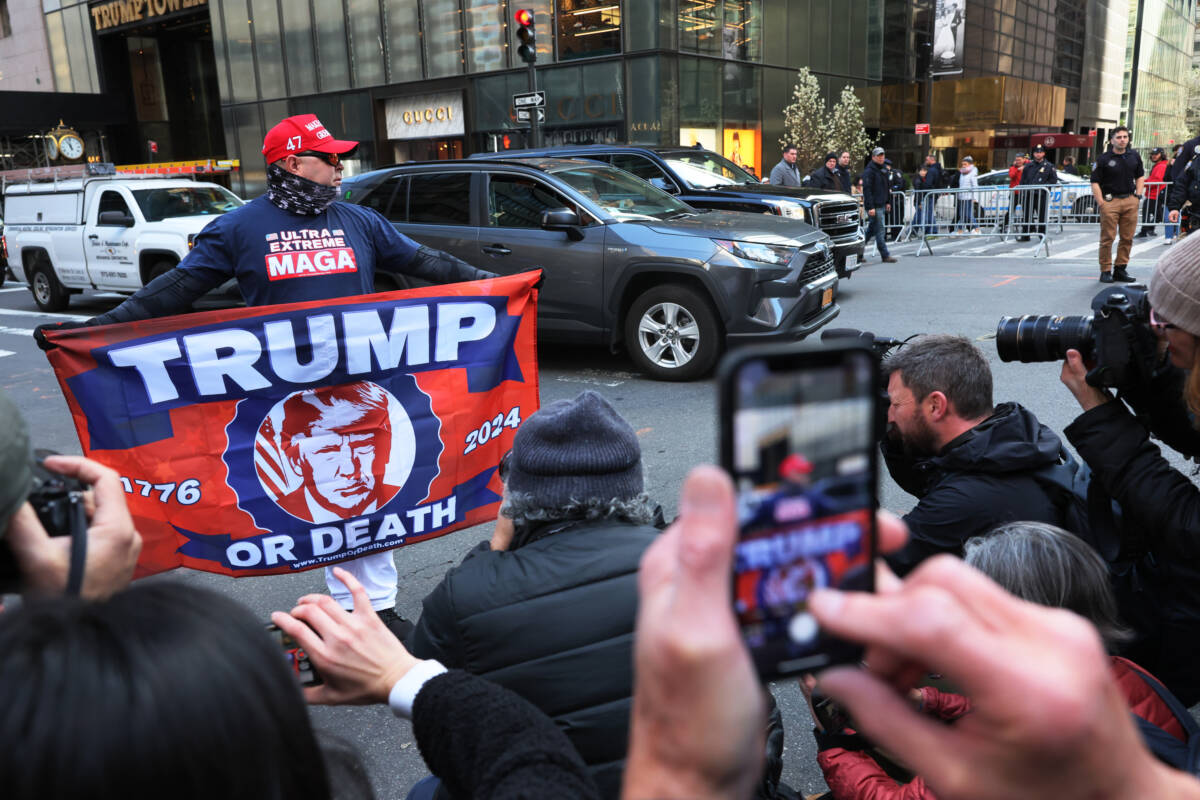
x: 704, y: 169
x: 184, y: 201
x: 621, y: 194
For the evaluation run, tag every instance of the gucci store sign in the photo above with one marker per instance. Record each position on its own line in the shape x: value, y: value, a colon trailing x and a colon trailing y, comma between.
x: 425, y: 116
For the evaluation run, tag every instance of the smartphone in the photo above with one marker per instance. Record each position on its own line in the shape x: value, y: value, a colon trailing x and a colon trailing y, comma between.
x: 798, y: 437
x: 305, y: 671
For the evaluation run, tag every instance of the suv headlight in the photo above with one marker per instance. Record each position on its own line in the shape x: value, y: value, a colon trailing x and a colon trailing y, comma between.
x: 785, y: 208
x: 756, y: 251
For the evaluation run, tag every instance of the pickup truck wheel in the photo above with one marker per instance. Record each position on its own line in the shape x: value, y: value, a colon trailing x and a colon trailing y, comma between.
x: 161, y: 268
x: 48, y: 293
x: 672, y: 333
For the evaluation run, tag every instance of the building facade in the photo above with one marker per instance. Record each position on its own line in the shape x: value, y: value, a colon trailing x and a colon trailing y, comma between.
x: 428, y: 79
x: 1158, y: 58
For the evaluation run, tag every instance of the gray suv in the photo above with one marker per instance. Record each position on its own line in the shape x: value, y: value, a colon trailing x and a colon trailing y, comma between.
x: 625, y: 263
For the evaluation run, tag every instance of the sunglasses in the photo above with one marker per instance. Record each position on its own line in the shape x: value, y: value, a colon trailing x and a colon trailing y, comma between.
x: 505, y: 460
x: 1155, y: 322
x: 331, y: 159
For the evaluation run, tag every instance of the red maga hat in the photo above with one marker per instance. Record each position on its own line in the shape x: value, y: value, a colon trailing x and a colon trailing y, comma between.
x: 300, y: 133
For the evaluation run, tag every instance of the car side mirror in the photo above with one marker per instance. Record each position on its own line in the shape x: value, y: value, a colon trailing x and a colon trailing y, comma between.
x: 562, y: 219
x: 115, y: 218
x: 665, y: 185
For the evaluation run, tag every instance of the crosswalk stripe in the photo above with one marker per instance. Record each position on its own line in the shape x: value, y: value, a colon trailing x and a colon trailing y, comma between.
x: 17, y: 312
x: 4, y: 353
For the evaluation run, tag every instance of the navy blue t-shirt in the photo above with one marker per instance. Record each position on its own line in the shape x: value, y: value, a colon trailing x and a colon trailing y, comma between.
x: 280, y: 257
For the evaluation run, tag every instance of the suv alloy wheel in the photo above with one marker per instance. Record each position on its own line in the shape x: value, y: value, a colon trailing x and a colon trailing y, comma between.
x: 672, y: 333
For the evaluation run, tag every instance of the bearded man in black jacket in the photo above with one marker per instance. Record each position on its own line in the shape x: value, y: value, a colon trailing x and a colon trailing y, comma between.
x: 971, y: 464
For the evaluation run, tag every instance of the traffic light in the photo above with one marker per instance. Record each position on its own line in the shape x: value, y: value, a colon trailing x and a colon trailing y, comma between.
x: 528, y: 49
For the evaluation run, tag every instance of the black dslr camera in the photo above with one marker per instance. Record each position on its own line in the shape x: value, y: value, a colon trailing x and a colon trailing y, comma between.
x: 1117, y: 338
x: 58, y: 501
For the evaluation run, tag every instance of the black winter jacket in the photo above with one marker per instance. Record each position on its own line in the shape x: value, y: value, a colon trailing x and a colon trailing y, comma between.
x: 822, y: 178
x: 876, y: 192
x: 982, y: 479
x: 551, y: 619
x: 1161, y: 513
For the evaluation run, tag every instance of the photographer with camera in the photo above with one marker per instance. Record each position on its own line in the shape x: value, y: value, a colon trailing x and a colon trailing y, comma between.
x: 971, y: 464
x: 1160, y: 505
x: 91, y: 546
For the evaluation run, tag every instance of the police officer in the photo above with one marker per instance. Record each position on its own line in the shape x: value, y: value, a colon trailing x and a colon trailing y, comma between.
x: 1117, y: 181
x: 897, y: 183
x: 1038, y: 172
x: 304, y: 172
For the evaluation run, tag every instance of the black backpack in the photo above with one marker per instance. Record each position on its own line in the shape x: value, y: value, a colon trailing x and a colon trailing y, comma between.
x: 1168, y: 749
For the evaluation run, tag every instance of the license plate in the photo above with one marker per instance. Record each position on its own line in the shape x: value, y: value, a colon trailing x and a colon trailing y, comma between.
x: 827, y: 297
x: 852, y: 260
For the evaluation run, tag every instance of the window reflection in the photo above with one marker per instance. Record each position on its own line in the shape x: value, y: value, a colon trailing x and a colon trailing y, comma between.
x: 443, y: 38
x: 741, y: 36
x: 588, y: 28
x: 699, y: 26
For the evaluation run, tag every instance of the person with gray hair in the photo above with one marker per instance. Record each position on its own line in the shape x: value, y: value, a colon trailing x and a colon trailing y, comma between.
x: 1047, y: 565
x: 547, y: 607
x: 972, y: 464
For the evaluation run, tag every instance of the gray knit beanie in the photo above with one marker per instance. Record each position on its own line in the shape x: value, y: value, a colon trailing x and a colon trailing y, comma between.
x: 16, y: 460
x: 1175, y: 287
x: 576, y: 450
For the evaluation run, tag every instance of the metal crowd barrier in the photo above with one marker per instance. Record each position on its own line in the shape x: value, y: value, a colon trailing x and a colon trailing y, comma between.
x: 1009, y: 214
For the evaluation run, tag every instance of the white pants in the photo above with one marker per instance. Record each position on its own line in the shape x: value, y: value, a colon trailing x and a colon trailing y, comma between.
x: 377, y: 574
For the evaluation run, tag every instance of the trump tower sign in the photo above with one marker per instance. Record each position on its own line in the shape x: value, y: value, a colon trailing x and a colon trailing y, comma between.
x: 274, y: 439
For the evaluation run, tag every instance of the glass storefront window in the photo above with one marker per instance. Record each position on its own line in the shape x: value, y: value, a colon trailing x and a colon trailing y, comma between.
x: 332, y: 58
x: 298, y: 39
x: 700, y: 26
x: 484, y: 35
x: 443, y: 38
x: 244, y: 85
x: 403, y: 29
x: 741, y: 37
x: 79, y: 45
x: 57, y: 38
x: 268, y: 47
x: 700, y: 92
x: 588, y: 28
x: 249, y: 129
x: 366, y: 47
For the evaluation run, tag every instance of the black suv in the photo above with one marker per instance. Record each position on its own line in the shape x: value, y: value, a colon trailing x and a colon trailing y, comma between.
x: 625, y: 263
x: 704, y: 179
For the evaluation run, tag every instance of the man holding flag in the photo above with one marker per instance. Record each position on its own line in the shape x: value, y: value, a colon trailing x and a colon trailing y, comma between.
x: 293, y: 244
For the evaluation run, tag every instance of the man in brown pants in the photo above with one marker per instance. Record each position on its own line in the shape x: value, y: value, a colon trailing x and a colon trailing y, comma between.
x: 1117, y: 181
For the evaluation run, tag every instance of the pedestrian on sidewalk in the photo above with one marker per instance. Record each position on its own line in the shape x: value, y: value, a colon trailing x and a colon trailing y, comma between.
x: 969, y: 179
x: 877, y: 200
x: 1117, y: 182
x: 1155, y: 194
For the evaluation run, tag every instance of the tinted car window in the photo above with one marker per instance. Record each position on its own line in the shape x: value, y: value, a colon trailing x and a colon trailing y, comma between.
x: 380, y: 198
x: 641, y: 166
x: 621, y: 194
x: 704, y: 169
x: 994, y: 180
x: 515, y: 201
x: 112, y: 201
x: 443, y: 199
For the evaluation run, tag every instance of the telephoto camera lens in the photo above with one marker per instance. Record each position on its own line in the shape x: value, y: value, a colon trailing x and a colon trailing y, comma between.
x: 1031, y: 338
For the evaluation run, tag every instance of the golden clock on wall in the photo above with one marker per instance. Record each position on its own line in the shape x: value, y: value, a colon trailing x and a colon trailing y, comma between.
x: 67, y: 141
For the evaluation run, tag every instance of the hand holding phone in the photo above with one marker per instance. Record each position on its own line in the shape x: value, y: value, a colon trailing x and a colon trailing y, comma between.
x: 798, y: 438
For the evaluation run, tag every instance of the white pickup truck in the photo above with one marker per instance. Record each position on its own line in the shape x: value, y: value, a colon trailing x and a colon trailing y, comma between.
x: 107, y: 233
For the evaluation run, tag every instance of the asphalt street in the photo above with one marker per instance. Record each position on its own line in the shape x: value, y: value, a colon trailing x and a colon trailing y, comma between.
x: 677, y: 426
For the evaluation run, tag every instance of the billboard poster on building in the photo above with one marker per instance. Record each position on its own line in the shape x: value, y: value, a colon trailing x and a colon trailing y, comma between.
x: 705, y: 137
x: 948, y: 34
x: 742, y: 148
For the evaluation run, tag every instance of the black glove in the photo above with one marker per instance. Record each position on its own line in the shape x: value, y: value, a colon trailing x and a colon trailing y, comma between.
x: 39, y: 333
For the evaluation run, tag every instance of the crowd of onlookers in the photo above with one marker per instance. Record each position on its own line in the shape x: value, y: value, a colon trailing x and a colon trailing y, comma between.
x: 931, y: 177
x: 1016, y: 645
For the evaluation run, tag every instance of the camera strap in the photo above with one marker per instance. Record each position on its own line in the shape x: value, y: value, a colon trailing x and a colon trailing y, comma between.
x: 79, y: 526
